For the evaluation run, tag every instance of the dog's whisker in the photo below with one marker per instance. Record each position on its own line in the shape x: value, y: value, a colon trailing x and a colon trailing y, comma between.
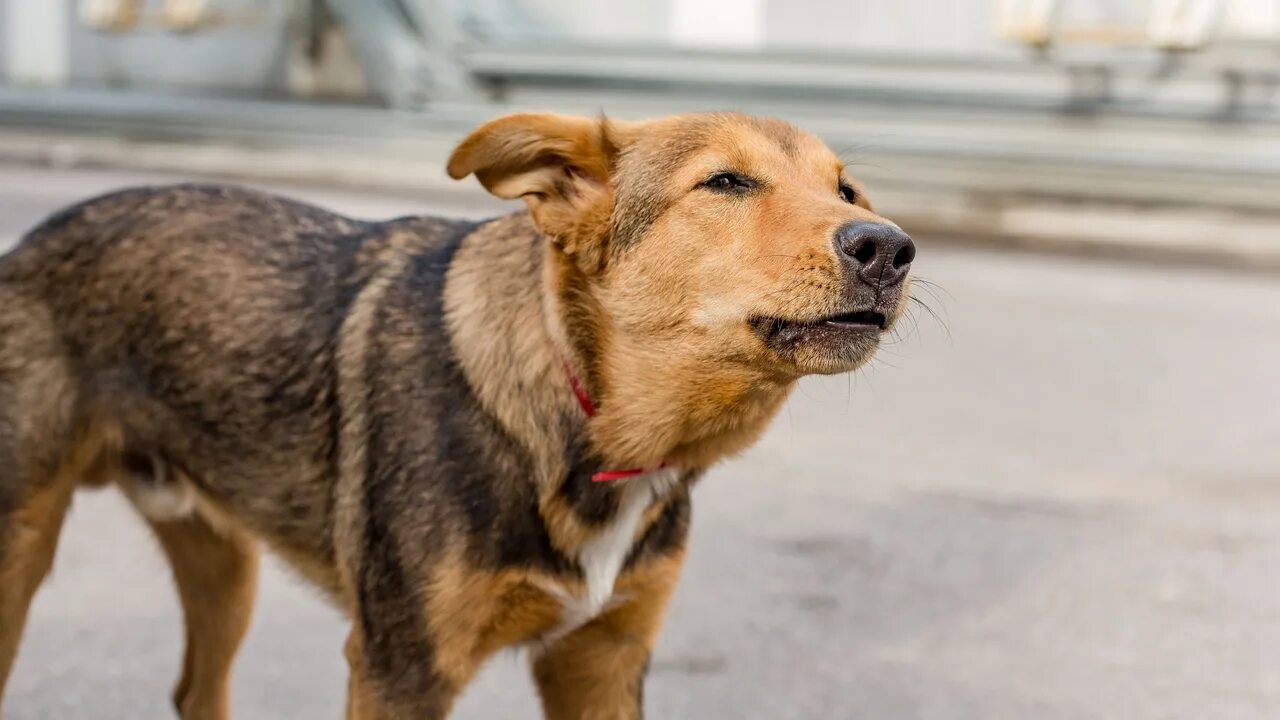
x: 931, y: 284
x: 942, y: 305
x: 938, y: 319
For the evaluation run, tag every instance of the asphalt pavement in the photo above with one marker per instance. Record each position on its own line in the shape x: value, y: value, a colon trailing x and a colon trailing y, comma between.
x: 1059, y: 499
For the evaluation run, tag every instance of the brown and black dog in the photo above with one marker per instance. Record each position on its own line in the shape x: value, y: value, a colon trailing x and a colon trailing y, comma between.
x: 471, y: 435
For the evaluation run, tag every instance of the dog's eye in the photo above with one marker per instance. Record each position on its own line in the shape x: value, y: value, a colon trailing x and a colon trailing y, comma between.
x: 729, y: 182
x: 848, y: 194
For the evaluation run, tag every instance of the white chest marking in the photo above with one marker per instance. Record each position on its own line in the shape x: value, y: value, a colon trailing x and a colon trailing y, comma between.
x: 602, y: 556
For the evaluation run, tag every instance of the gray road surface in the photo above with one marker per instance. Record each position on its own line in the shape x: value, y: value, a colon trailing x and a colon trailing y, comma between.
x: 1068, y: 508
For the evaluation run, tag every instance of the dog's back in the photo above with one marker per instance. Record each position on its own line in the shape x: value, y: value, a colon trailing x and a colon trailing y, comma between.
x: 178, y: 320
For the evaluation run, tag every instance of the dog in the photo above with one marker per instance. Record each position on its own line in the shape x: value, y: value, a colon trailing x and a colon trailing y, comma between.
x: 470, y: 436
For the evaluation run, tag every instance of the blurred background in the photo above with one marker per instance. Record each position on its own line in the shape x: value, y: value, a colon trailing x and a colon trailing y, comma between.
x: 1055, y: 493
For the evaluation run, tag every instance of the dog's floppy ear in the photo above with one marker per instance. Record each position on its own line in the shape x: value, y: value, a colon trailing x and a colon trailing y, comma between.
x: 560, y: 165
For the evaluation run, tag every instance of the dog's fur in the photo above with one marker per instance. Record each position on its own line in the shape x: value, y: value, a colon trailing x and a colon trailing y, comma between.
x: 388, y: 405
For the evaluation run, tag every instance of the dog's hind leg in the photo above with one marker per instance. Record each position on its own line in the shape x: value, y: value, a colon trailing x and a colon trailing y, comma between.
x: 28, y: 539
x: 216, y: 571
x: 39, y: 469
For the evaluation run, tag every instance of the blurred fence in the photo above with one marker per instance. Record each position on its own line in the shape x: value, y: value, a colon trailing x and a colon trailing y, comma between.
x: 1208, y: 53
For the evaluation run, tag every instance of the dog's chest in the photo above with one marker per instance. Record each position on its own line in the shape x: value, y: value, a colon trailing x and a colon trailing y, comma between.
x: 601, y: 558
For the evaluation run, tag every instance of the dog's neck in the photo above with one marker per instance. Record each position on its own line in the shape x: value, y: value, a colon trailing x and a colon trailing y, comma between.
x: 519, y: 311
x: 494, y: 311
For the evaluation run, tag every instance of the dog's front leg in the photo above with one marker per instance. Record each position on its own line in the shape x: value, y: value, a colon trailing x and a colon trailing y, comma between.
x: 383, y: 687
x: 597, y: 672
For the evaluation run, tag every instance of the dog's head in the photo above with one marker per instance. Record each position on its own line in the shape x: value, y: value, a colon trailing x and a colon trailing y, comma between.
x: 735, y: 238
x: 718, y: 245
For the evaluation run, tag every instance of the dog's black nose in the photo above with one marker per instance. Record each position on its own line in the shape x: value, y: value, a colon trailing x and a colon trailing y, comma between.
x: 880, y: 254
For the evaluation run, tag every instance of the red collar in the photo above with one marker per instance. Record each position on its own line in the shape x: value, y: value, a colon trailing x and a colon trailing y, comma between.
x: 589, y: 409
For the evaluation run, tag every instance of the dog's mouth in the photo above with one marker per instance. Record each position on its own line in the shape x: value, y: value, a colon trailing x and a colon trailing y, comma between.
x: 772, y: 328
x: 858, y: 319
x: 830, y: 344
x: 856, y: 327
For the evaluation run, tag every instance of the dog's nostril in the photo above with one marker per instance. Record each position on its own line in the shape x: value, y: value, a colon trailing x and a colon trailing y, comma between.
x: 904, y: 256
x: 865, y: 252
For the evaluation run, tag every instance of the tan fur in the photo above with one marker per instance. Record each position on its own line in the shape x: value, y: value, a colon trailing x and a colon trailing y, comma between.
x: 474, y: 614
